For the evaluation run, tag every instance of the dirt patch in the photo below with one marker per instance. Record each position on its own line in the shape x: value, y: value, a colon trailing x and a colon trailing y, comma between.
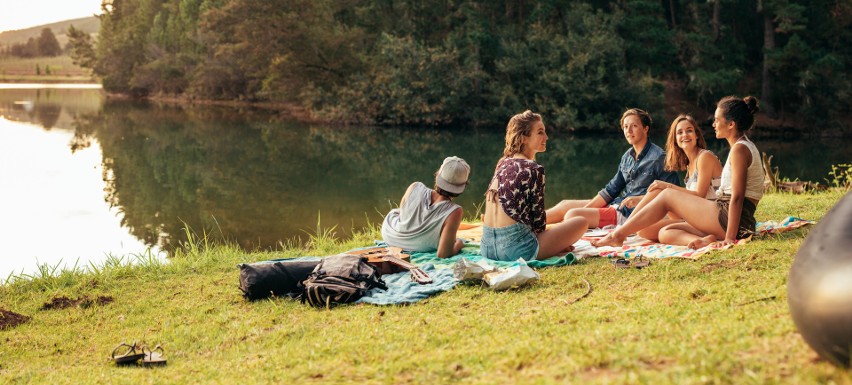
x: 599, y: 373
x: 658, y: 363
x: 10, y: 319
x: 63, y: 302
x: 724, y: 264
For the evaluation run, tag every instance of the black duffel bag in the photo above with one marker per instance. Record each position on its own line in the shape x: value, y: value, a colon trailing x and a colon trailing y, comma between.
x: 279, y: 278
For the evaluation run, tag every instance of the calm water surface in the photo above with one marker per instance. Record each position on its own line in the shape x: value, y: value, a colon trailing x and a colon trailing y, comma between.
x: 84, y: 177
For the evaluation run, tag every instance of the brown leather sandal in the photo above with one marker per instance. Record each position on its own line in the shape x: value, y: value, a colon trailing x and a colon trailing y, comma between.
x: 621, y: 263
x: 153, y: 357
x: 637, y: 262
x: 129, y: 354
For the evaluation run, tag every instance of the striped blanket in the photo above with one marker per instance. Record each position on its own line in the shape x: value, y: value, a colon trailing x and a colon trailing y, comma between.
x: 636, y: 246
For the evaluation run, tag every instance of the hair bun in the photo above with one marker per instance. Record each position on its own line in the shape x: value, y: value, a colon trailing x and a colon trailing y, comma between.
x: 751, y: 103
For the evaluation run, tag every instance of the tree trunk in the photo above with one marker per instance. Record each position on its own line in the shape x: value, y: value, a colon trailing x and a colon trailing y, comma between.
x: 672, y: 11
x: 716, y: 22
x: 766, y: 91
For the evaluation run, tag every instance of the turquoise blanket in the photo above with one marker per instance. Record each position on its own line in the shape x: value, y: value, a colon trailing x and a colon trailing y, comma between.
x: 402, y: 290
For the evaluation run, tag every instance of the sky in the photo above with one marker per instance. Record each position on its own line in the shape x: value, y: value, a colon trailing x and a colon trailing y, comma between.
x: 20, y: 14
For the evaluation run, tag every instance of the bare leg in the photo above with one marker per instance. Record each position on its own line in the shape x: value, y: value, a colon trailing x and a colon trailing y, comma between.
x: 652, y: 232
x: 681, y: 234
x: 700, y: 213
x: 558, y: 238
x: 647, y: 199
x: 592, y: 216
x: 556, y: 213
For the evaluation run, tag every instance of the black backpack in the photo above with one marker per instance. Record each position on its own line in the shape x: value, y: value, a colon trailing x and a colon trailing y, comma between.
x: 279, y: 278
x: 340, y: 278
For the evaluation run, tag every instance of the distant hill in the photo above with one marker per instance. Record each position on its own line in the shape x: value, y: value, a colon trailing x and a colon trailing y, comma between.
x: 89, y: 24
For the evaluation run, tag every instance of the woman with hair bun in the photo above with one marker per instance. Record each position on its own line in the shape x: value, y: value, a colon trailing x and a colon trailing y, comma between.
x: 515, y: 217
x: 731, y: 216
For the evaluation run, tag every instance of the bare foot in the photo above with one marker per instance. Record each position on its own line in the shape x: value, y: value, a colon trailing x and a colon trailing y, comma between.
x: 611, y: 239
x: 701, y: 242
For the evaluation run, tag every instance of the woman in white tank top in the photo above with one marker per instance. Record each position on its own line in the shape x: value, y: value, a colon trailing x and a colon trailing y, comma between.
x: 727, y: 219
x: 686, y: 149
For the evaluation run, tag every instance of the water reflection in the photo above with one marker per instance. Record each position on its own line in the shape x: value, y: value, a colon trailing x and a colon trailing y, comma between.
x: 50, y: 107
x: 258, y: 182
x: 245, y: 176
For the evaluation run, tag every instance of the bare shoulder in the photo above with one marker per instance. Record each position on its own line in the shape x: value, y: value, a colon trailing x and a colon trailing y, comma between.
x: 455, y: 217
x: 708, y: 159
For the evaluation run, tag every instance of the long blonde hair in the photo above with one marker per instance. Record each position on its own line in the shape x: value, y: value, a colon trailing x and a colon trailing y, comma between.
x: 676, y: 159
x: 519, y: 126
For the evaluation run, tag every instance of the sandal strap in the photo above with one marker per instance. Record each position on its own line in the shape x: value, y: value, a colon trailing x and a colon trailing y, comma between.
x: 131, y: 349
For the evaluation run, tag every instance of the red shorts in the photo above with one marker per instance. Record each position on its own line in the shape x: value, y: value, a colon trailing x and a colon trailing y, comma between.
x: 608, y: 216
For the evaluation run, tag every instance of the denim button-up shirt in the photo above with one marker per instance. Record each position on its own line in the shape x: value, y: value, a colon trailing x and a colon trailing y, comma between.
x: 636, y: 174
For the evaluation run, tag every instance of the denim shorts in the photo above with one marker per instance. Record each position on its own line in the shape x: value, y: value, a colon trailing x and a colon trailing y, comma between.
x: 509, y: 243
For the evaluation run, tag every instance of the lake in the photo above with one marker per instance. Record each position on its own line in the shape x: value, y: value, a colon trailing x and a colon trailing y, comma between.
x: 85, y: 177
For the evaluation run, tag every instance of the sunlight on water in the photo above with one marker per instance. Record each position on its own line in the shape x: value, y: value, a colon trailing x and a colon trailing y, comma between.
x: 53, y: 209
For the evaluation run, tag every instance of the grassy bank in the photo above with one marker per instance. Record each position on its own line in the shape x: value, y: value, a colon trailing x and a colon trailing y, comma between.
x: 60, y: 69
x: 722, y: 319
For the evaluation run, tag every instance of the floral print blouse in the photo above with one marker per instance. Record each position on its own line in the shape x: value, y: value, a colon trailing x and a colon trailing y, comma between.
x: 520, y: 190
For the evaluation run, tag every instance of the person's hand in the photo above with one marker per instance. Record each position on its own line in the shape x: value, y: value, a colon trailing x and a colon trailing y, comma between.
x: 659, y: 185
x: 728, y: 241
x: 458, y: 245
x: 630, y: 202
x: 655, y: 185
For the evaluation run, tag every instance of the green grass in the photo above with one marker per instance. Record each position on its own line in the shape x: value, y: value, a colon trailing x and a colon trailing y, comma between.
x: 721, y: 319
x: 23, y: 70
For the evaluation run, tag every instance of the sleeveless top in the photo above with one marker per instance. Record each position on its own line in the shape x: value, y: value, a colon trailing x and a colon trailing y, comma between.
x: 754, y: 174
x: 416, y: 225
x: 520, y: 191
x: 692, y: 183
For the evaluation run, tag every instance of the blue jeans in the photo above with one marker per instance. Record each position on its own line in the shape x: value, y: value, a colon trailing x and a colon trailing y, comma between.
x: 509, y: 243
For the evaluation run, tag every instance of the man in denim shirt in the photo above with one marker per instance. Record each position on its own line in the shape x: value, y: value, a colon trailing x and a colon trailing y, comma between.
x: 635, y: 173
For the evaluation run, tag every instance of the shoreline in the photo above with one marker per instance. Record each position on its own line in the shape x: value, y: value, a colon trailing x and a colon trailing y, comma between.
x: 782, y: 126
x: 49, y: 80
x: 290, y: 109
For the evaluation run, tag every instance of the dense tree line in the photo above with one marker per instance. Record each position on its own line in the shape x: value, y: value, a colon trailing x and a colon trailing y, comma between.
x: 45, y: 45
x: 477, y: 62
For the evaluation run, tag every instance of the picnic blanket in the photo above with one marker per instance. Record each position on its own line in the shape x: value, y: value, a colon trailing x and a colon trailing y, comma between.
x: 635, y: 246
x: 402, y: 290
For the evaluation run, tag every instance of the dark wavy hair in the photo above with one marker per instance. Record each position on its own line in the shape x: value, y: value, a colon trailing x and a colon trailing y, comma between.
x: 739, y: 111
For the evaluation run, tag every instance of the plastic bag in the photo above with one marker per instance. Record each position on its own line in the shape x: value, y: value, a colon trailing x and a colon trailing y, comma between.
x: 497, y: 278
x: 467, y: 270
x: 515, y: 276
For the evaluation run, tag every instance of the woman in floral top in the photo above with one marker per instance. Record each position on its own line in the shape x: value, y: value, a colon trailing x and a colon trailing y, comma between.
x: 514, y: 221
